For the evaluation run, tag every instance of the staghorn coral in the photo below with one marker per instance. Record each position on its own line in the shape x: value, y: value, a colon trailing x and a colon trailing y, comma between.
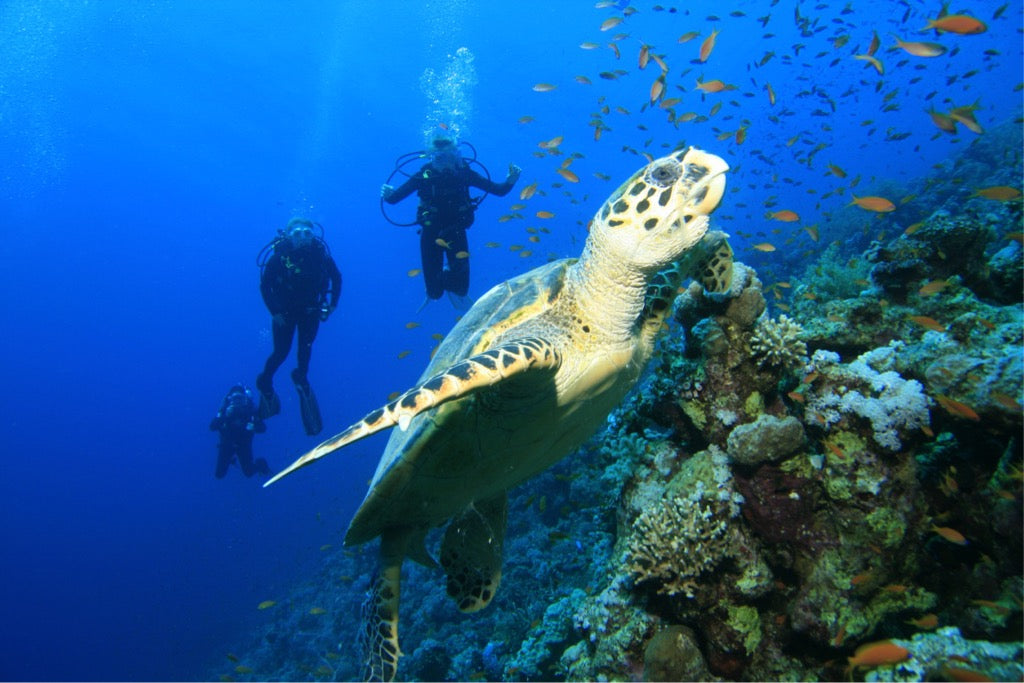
x: 675, y: 540
x: 777, y: 343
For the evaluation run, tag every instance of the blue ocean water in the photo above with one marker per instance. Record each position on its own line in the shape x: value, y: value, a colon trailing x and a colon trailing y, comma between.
x: 149, y: 150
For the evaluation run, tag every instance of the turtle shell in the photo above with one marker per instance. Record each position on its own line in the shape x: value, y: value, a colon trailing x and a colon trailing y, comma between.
x: 428, y: 473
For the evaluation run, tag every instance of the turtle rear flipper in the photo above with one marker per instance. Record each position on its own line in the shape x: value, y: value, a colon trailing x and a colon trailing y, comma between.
x: 378, y: 639
x: 466, y: 377
x: 471, y: 553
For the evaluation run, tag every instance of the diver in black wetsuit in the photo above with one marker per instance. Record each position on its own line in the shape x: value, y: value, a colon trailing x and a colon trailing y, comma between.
x: 444, y: 213
x: 237, y: 421
x: 300, y: 284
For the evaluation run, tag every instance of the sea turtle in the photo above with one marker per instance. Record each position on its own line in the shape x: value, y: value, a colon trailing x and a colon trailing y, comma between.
x: 529, y: 373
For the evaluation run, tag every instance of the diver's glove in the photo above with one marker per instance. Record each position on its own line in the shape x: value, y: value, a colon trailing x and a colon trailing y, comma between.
x: 325, y: 312
x: 513, y: 173
x: 386, y: 191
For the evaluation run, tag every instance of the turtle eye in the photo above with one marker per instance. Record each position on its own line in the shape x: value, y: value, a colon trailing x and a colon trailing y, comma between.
x: 664, y: 173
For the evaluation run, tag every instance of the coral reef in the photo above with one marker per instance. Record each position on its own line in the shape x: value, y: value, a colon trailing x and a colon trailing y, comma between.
x: 750, y: 512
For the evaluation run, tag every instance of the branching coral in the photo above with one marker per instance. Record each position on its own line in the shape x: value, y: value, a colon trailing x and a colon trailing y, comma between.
x: 777, y: 343
x: 674, y: 542
x: 686, y: 532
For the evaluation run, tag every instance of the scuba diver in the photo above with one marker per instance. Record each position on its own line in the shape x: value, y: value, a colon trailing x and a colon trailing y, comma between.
x: 445, y: 212
x: 300, y: 284
x: 238, y: 421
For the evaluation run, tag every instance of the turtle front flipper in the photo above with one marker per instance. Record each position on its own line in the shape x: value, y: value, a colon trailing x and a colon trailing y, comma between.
x: 378, y: 639
x: 462, y: 379
x: 471, y: 552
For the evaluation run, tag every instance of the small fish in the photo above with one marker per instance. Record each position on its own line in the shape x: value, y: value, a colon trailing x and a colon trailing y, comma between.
x: 707, y: 46
x: 950, y: 534
x: 1000, y: 193
x: 545, y: 214
x: 610, y: 23
x: 921, y: 49
x: 657, y: 88
x: 956, y: 408
x: 771, y: 94
x: 403, y: 354
x: 933, y: 287
x: 688, y: 36
x: 961, y: 24
x: 965, y: 115
x: 552, y: 143
x: 412, y: 325
x: 462, y: 254
x: 525, y: 253
x: 873, y: 62
x: 911, y: 229
x: 583, y: 80
x: 877, y: 204
x: 836, y: 450
x: 414, y: 272
x: 318, y: 610
x: 797, y: 396
x: 714, y: 86
x: 786, y: 216
x: 568, y: 175
x: 836, y: 171
x: 812, y: 230
x: 926, y: 622
x: 528, y: 191
x: 877, y: 654
x: 325, y: 547
x: 589, y: 46
x: 544, y: 87
x: 266, y: 604
x: 493, y: 245
x: 927, y: 322
x: 243, y: 669
x: 1006, y: 401
x: 525, y: 119
x: 765, y: 246
x: 442, y: 243
x: 232, y: 657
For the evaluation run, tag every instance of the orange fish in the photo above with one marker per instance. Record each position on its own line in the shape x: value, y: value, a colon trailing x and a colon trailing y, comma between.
x: 657, y: 88
x: 921, y: 49
x: 958, y: 673
x: 950, y: 534
x: 771, y: 94
x: 610, y: 23
x: 942, y: 121
x: 544, y: 87
x: 812, y: 230
x: 528, y: 191
x: 927, y: 322
x: 568, y: 175
x: 545, y: 214
x: 873, y: 45
x: 714, y: 86
x: 765, y: 246
x: 878, y: 204
x: 707, y: 46
x: 876, y: 654
x: 1000, y: 193
x: 965, y: 115
x: 552, y: 143
x: 836, y: 450
x: 786, y: 216
x: 957, y: 408
x: 961, y: 24
x: 927, y: 622
x: 645, y: 55
x: 873, y: 62
x: 687, y: 37
x: 933, y: 287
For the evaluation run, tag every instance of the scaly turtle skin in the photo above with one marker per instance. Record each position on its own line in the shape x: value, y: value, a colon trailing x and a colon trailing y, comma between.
x: 530, y: 372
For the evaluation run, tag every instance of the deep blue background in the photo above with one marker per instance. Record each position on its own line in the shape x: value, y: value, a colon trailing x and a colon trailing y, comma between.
x: 149, y: 149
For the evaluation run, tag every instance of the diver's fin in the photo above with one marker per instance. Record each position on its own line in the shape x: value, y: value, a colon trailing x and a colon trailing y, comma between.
x: 466, y: 377
x: 471, y: 552
x: 309, y: 408
x: 426, y: 300
x: 378, y: 637
x: 461, y: 302
x: 270, y: 404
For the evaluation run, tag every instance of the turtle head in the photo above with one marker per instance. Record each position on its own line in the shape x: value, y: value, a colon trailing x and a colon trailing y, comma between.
x: 658, y: 214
